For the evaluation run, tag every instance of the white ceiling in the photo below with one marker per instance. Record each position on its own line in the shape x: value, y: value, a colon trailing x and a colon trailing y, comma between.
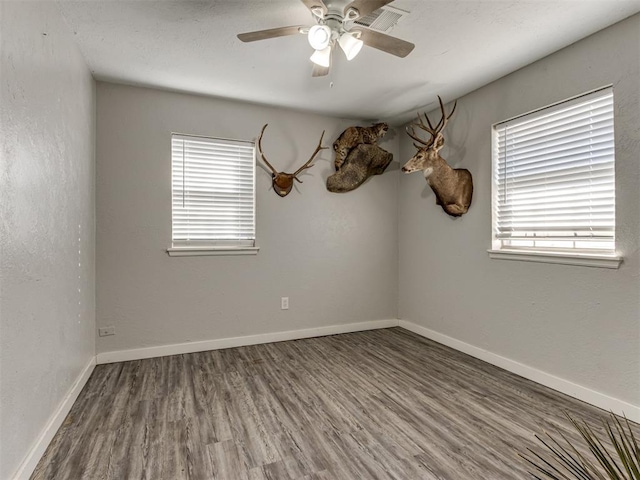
x: 191, y: 46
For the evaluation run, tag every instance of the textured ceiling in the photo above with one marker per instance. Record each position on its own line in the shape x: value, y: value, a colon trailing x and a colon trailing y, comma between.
x: 191, y: 46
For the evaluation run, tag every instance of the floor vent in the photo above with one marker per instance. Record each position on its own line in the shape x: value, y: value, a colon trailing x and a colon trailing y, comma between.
x: 383, y: 19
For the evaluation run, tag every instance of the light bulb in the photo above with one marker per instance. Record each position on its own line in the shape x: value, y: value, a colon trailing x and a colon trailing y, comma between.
x: 350, y: 45
x: 322, y: 57
x: 319, y: 36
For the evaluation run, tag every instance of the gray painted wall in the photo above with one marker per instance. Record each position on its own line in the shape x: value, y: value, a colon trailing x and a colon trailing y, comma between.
x: 333, y: 255
x: 579, y: 323
x: 47, y: 241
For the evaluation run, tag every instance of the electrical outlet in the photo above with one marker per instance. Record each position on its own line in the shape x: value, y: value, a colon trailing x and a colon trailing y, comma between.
x: 284, y: 303
x: 106, y: 331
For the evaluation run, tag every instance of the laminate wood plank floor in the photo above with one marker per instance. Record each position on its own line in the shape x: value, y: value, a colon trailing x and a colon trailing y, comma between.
x: 381, y: 404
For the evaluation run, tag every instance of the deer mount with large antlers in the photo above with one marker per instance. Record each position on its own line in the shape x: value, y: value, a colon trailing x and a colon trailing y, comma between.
x: 453, y: 187
x: 283, y: 182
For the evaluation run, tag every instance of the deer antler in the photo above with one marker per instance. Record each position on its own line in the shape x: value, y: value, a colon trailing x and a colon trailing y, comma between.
x: 308, y: 163
x: 413, y: 135
x: 429, y: 128
x: 264, y: 159
x: 445, y: 118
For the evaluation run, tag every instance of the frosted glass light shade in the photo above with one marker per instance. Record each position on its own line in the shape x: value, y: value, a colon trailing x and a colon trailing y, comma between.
x: 322, y: 57
x: 319, y: 36
x: 350, y: 45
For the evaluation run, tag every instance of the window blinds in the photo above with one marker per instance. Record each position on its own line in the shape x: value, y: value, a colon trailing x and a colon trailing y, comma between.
x: 212, y: 191
x: 554, y: 177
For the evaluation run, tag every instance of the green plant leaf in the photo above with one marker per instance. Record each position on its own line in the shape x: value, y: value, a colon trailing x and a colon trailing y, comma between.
x: 613, y: 456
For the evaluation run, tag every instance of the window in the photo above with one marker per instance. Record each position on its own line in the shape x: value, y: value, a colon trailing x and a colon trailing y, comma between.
x: 554, y: 182
x: 213, y: 196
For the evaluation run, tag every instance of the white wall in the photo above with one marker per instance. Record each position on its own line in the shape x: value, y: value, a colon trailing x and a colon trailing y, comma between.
x: 47, y: 301
x: 578, y: 323
x: 333, y: 255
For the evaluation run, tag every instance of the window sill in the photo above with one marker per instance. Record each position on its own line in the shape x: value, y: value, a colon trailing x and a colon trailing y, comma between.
x: 202, y: 251
x: 585, y: 260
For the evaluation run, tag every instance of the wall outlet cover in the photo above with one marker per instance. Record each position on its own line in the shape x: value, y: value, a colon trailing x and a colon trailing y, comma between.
x: 106, y: 331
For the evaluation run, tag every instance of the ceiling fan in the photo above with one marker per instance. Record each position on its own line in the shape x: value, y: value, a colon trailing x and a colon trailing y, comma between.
x: 334, y: 25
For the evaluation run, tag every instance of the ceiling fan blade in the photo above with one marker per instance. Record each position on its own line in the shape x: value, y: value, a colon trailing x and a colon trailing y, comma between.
x: 270, y: 33
x: 386, y: 43
x: 319, y: 71
x: 311, y: 4
x: 365, y: 7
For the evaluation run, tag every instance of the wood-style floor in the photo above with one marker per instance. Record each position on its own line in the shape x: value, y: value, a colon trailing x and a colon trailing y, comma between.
x: 383, y: 404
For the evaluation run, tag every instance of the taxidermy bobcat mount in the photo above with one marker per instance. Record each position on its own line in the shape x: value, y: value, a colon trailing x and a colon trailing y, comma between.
x: 353, y: 136
x: 358, y: 157
x: 453, y: 187
x: 283, y: 182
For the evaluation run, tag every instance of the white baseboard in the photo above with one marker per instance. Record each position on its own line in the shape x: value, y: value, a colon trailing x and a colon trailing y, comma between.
x: 585, y: 394
x: 30, y: 462
x: 218, y: 344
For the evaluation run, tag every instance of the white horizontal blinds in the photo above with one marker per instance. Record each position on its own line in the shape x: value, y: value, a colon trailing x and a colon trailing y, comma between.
x: 555, y: 177
x: 212, y: 191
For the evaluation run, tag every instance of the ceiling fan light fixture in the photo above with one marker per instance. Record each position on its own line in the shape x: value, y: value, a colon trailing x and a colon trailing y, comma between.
x: 322, y: 57
x: 351, y: 14
x: 350, y: 45
x: 317, y: 11
x: 319, y: 36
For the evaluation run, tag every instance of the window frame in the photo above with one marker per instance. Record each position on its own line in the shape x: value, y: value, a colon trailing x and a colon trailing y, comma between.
x: 213, y: 247
x: 569, y: 256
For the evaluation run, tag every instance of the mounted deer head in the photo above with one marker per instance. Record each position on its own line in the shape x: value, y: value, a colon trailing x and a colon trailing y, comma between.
x: 283, y: 182
x: 453, y: 187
